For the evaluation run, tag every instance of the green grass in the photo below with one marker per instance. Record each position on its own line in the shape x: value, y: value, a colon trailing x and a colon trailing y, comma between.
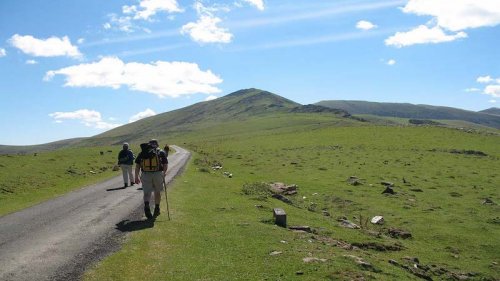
x: 218, y: 233
x: 26, y: 180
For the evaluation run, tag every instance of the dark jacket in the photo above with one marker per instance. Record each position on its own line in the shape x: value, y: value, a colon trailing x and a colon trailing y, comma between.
x: 126, y: 157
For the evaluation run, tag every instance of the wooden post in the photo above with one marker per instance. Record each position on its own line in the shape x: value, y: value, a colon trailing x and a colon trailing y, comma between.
x: 279, y: 217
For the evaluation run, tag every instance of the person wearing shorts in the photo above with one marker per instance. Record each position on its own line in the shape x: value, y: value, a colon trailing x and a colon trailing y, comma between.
x: 152, y: 180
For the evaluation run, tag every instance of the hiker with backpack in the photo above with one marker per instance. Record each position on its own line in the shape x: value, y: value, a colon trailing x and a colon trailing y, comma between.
x: 126, y: 161
x: 153, y: 163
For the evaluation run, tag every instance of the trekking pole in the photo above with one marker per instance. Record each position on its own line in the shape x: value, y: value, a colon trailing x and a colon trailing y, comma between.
x: 166, y: 197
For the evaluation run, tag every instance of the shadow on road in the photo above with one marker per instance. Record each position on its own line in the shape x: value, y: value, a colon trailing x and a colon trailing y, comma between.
x: 117, y: 188
x: 129, y: 226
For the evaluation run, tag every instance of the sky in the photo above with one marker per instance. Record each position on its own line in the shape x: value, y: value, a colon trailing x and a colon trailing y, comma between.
x: 78, y: 68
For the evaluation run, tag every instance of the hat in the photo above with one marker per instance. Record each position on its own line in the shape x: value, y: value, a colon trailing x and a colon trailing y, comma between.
x: 125, y: 144
x: 154, y: 142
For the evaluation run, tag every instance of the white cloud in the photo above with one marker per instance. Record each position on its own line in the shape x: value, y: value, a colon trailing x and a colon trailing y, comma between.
x: 391, y: 62
x: 492, y: 101
x: 422, y: 35
x: 484, y: 79
x: 80, y: 40
x: 205, y: 30
x: 211, y: 97
x: 3, y: 52
x: 107, y: 25
x: 141, y: 115
x: 452, y: 16
x: 161, y: 78
x: 149, y: 8
x: 31, y: 62
x: 492, y: 90
x: 89, y: 118
x: 365, y: 25
x: 472, y: 90
x: 51, y: 47
x: 259, y: 4
x: 457, y: 15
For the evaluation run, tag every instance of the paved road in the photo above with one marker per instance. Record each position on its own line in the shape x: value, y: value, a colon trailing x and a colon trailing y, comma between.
x: 58, y: 239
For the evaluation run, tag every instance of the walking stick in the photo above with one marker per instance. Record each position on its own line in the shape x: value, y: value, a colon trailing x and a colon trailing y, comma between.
x: 166, y: 197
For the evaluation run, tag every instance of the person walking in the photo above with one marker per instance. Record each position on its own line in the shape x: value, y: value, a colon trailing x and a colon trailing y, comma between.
x: 153, y: 163
x: 126, y: 161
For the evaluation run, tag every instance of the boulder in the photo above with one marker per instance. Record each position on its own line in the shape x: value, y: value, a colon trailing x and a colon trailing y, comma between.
x: 353, y: 180
x: 377, y: 220
x: 281, y: 188
x: 348, y: 224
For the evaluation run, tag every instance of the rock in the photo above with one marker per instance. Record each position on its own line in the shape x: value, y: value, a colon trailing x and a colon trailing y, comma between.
x: 313, y: 259
x: 299, y: 272
x: 279, y: 217
x: 388, y: 190
x: 259, y: 206
x: 348, y: 224
x: 325, y: 213
x: 275, y: 253
x: 281, y: 188
x: 416, y: 190
x: 379, y: 246
x: 377, y: 220
x: 352, y: 180
x: 304, y: 228
x: 399, y: 233
x: 116, y: 168
x: 92, y: 172
x: 281, y: 198
x: 362, y: 263
x: 488, y: 201
x: 216, y: 167
x: 387, y: 183
x: 412, y: 259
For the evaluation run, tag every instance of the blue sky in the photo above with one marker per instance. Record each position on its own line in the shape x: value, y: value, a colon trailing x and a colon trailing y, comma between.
x: 78, y: 69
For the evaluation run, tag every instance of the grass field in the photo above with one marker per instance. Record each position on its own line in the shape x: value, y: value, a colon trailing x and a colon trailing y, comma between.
x: 26, y: 180
x: 441, y: 177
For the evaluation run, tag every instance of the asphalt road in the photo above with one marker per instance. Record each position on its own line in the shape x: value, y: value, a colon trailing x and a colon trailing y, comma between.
x: 60, y: 238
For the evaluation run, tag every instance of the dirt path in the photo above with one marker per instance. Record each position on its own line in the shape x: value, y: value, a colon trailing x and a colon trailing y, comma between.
x: 58, y: 239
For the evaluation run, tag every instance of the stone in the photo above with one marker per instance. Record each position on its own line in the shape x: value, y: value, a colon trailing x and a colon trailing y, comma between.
x: 299, y: 272
x: 387, y: 183
x: 388, y: 190
x: 275, y: 253
x: 399, y: 233
x: 281, y: 188
x: 353, y: 180
x: 488, y: 201
x: 416, y: 190
x: 348, y: 224
x: 325, y: 213
x: 281, y: 198
x: 377, y: 220
x: 312, y: 259
x: 279, y: 217
x: 304, y: 228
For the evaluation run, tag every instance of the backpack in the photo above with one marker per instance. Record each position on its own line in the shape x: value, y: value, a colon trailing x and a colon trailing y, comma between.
x: 150, y: 161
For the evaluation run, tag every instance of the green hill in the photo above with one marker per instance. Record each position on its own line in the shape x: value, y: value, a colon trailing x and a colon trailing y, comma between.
x: 237, y: 106
x: 407, y: 110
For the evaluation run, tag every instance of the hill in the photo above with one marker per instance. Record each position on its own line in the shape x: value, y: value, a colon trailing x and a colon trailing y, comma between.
x: 240, y: 105
x: 492, y: 111
x: 16, y: 149
x: 407, y: 110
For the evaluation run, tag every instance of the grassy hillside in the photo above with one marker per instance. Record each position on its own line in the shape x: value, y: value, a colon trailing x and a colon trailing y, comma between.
x: 218, y: 232
x: 26, y: 180
x: 406, y: 110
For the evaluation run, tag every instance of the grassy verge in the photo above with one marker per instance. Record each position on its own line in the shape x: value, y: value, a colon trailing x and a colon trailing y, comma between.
x: 219, y: 233
x: 26, y: 180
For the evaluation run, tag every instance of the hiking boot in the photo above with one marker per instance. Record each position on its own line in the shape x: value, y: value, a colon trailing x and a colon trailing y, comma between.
x: 157, y: 211
x: 132, y: 184
x: 147, y: 212
x: 125, y: 185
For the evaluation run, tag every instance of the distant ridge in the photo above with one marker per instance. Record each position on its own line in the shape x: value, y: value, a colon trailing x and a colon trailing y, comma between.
x: 491, y: 111
x: 16, y: 149
x: 407, y: 110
